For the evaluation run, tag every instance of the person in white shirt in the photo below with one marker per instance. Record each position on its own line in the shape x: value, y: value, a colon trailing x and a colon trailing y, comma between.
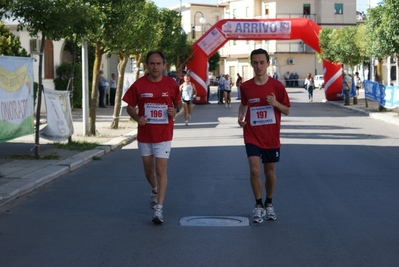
x: 188, y: 92
x: 112, y: 90
x: 227, y: 91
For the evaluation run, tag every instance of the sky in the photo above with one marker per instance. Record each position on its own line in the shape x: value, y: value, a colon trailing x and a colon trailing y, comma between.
x: 362, y: 5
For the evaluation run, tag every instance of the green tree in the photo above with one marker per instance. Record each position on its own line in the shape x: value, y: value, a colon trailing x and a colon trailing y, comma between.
x: 171, y: 37
x: 214, y: 62
x: 132, y: 39
x: 50, y: 18
x: 10, y: 45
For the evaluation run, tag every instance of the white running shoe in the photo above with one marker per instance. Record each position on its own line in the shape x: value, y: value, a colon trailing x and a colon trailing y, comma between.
x: 186, y: 123
x: 189, y: 117
x: 229, y: 105
x: 258, y: 214
x: 270, y: 215
x: 157, y: 218
x: 154, y: 200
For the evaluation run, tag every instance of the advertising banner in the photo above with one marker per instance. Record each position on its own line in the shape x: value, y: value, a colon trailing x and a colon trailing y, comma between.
x: 59, y: 116
x: 386, y: 96
x: 16, y: 97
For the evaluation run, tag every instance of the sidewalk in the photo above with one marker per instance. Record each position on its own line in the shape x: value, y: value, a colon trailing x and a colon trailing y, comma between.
x: 18, y: 177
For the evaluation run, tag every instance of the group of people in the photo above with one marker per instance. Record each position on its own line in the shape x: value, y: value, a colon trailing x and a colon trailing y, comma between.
x: 263, y: 100
x: 105, y: 98
x: 225, y: 83
x: 291, y: 79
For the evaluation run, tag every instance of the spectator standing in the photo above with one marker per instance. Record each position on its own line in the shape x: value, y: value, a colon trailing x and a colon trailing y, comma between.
x: 275, y: 76
x: 157, y: 97
x: 102, y: 87
x: 287, y: 79
x: 221, y: 89
x: 238, y: 84
x: 358, y: 85
x: 292, y: 78
x: 309, y: 83
x: 268, y: 97
x: 112, y: 90
x: 346, y: 87
x: 296, y: 77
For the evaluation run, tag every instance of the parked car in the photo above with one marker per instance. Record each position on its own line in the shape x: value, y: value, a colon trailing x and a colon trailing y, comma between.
x: 318, y: 81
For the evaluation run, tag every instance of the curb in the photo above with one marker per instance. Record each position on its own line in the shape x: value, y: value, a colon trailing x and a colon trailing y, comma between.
x: 389, y: 117
x: 27, y: 183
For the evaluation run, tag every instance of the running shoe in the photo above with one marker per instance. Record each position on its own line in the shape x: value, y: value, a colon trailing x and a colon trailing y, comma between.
x: 154, y: 200
x: 270, y: 215
x: 186, y: 122
x: 158, y: 218
x: 258, y: 214
x: 189, y: 117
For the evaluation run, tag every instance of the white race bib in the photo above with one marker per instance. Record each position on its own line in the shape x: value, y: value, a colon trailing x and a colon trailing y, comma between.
x: 156, y: 113
x: 262, y: 115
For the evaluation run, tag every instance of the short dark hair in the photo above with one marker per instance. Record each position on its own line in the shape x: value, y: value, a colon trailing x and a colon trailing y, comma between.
x: 260, y: 51
x: 150, y: 53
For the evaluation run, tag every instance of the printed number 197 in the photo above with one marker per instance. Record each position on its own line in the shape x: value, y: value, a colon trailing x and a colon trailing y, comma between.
x: 261, y: 114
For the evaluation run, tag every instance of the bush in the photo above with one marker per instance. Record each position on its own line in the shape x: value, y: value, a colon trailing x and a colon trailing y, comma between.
x: 61, y: 82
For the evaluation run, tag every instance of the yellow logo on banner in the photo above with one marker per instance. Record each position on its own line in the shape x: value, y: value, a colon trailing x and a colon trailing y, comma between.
x: 13, y: 81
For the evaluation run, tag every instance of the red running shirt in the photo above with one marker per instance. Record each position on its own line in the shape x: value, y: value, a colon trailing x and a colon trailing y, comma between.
x: 263, y: 120
x: 153, y: 99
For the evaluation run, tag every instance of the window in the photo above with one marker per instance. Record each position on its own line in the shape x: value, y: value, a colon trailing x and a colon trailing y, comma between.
x: 338, y: 9
x: 48, y: 59
x: 266, y: 10
x: 306, y: 9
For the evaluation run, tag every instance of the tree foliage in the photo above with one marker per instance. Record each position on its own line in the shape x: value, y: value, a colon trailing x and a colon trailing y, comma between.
x: 10, y: 45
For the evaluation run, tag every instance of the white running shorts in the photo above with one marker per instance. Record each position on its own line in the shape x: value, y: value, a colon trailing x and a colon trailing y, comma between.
x: 158, y: 150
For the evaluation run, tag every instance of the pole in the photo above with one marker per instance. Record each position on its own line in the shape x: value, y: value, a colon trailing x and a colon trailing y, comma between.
x: 85, y: 88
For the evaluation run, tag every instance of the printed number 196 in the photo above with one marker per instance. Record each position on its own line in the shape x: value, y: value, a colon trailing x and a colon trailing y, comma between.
x: 156, y: 113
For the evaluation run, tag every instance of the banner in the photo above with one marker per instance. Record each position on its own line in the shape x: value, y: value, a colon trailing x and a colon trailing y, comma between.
x: 59, y: 116
x: 386, y: 96
x: 16, y: 97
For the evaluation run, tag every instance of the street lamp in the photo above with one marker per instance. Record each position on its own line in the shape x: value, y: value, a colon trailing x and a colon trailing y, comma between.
x: 202, y: 20
x: 206, y: 27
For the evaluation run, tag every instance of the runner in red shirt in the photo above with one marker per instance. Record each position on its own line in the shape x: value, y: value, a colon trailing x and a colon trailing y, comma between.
x: 157, y: 97
x: 263, y: 99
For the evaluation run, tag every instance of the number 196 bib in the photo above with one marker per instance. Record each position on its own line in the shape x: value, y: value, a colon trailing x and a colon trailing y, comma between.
x: 262, y: 115
x: 156, y: 113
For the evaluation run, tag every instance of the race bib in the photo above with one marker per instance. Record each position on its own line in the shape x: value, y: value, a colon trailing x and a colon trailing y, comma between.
x: 156, y: 113
x: 262, y: 115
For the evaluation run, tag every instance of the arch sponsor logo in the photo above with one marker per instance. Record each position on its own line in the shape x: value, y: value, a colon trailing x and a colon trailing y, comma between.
x: 255, y: 29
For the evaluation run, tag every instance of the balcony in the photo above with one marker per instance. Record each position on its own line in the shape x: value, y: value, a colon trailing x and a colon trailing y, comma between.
x: 296, y: 47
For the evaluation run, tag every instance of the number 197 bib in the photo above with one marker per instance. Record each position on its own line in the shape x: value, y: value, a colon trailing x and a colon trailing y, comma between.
x: 262, y: 115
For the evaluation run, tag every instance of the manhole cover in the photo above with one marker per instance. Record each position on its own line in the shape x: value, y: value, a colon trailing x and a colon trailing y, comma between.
x: 214, y: 221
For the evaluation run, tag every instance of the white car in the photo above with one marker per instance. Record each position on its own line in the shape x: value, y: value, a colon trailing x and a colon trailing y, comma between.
x: 318, y: 81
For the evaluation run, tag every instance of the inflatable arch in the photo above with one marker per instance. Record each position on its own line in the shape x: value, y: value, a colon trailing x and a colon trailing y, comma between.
x: 258, y: 29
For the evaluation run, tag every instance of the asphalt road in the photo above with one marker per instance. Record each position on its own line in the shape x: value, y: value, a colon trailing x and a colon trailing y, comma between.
x: 336, y: 199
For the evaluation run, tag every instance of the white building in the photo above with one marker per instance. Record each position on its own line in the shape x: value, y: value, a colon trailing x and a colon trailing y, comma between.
x: 286, y: 56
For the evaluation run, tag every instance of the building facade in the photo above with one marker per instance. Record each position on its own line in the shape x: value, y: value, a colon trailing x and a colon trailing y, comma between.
x: 292, y: 56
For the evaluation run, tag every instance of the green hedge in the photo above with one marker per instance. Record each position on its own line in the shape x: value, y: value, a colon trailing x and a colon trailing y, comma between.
x: 61, y: 82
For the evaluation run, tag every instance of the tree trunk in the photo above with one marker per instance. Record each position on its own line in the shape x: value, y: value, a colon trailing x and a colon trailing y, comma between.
x: 39, y: 98
x: 139, y: 59
x: 94, y: 89
x: 123, y: 59
x: 380, y: 80
x: 71, y: 77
